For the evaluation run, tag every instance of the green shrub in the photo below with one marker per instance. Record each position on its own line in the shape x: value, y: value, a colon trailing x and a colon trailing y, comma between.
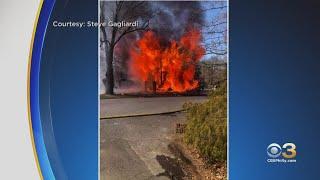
x: 206, y: 128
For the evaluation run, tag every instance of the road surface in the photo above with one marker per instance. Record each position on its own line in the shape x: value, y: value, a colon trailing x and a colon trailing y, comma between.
x: 136, y: 148
x: 144, y: 105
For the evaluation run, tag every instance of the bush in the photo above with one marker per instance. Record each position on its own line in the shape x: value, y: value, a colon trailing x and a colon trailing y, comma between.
x: 206, y: 128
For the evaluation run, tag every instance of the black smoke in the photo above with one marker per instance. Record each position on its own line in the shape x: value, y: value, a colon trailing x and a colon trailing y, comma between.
x: 173, y: 18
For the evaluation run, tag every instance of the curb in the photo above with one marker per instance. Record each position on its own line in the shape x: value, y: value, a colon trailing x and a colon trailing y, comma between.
x: 138, y: 115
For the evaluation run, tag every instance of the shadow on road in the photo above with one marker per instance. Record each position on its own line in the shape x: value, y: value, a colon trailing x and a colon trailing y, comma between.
x: 171, y: 166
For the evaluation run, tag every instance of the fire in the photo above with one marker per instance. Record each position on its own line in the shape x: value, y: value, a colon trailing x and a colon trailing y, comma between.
x: 166, y: 68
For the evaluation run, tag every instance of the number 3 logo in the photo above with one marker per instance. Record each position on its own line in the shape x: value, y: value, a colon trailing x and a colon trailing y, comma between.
x: 291, y: 148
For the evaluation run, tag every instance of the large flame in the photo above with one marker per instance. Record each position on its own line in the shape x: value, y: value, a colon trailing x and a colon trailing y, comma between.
x: 170, y: 67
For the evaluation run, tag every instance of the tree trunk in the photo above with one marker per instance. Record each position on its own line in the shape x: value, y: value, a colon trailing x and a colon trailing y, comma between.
x: 109, y: 73
x: 109, y: 55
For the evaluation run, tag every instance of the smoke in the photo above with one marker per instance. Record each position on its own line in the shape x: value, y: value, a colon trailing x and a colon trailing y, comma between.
x: 173, y: 18
x: 129, y: 89
x: 169, y: 20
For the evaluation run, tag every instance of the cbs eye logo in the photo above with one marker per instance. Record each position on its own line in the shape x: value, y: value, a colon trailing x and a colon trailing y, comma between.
x: 288, y: 150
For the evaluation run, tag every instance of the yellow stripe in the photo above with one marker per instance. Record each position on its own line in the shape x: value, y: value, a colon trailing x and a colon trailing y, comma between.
x: 28, y: 89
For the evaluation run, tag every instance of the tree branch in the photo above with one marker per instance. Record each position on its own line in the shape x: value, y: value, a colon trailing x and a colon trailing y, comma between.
x: 213, y: 32
x: 127, y: 31
x: 216, y: 53
x: 213, y: 8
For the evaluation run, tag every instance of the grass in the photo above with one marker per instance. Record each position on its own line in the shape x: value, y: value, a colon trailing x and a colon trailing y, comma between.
x: 206, y: 128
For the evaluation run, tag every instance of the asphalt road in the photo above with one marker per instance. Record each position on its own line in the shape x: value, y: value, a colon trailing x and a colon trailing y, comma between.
x: 144, y: 105
x: 136, y: 148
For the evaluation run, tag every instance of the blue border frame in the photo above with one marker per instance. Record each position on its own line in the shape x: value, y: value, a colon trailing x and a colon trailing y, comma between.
x: 43, y: 161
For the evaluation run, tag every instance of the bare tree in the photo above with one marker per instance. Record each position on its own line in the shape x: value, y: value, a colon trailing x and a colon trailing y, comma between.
x: 215, y: 30
x: 213, y: 26
x: 114, y: 12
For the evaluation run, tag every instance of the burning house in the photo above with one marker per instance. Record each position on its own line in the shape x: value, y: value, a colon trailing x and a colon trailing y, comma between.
x: 166, y: 68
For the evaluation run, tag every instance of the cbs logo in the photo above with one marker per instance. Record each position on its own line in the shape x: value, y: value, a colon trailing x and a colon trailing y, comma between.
x: 288, y: 150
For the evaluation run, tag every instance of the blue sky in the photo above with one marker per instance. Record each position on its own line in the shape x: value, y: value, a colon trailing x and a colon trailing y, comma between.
x: 210, y: 18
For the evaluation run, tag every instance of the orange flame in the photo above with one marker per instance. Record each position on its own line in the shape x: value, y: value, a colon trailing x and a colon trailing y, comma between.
x: 171, y: 68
